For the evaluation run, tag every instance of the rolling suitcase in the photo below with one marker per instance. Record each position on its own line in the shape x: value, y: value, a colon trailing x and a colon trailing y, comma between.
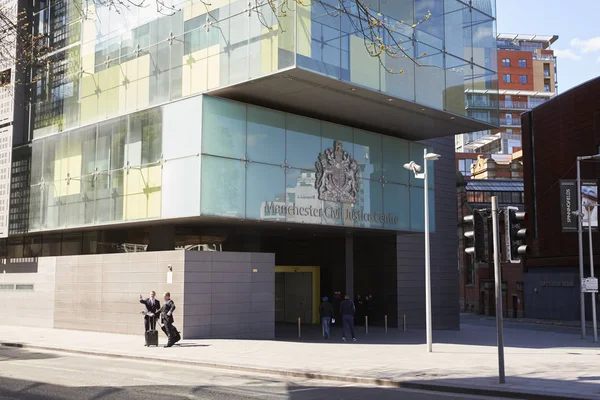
x: 151, y: 335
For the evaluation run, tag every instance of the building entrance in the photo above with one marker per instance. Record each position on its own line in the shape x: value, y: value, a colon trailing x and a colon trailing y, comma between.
x: 297, y: 294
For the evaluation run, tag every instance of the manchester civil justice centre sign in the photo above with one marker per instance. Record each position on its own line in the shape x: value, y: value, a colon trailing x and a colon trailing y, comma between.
x: 328, y: 195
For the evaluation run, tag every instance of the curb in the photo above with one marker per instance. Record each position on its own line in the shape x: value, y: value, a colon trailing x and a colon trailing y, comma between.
x: 437, y: 387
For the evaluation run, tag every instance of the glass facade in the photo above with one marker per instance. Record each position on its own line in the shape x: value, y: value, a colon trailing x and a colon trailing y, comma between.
x: 118, y: 120
x: 116, y: 62
x: 264, y: 168
x: 207, y: 156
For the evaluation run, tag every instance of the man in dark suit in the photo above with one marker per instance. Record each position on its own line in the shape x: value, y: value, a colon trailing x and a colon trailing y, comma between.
x: 152, y: 306
x: 167, y: 320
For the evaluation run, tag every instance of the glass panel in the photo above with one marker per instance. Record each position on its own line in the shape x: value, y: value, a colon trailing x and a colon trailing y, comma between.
x: 484, y: 41
x: 332, y: 132
x: 367, y: 212
x: 265, y: 184
x: 395, y: 155
x: 430, y: 31
x: 300, y: 192
x: 181, y: 188
x: 303, y: 141
x: 396, y: 202
x: 457, y: 71
x: 368, y: 154
x: 266, y: 135
x: 223, y: 187
x: 224, y: 128
x: 109, y: 197
x: 182, y: 128
x: 457, y: 24
x: 429, y: 76
x: 417, y: 209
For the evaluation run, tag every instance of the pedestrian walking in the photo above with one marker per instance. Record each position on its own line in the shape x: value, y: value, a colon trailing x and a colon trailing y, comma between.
x: 326, y: 310
x: 167, y: 320
x: 347, y: 310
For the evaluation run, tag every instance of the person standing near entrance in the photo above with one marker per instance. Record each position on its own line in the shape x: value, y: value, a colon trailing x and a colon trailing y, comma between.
x: 152, y: 306
x: 326, y: 310
x: 347, y: 310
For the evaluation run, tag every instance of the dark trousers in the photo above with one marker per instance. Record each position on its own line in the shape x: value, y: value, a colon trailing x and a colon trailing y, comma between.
x: 348, y: 324
x: 149, y: 323
x: 170, y: 330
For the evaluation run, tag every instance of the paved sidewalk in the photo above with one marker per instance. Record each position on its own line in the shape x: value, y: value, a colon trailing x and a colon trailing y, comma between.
x: 538, y: 363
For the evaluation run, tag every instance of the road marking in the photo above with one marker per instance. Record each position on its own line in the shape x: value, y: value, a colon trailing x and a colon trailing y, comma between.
x: 307, y: 389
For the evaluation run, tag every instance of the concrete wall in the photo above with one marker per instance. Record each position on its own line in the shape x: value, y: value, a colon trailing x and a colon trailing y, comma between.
x: 26, y: 307
x: 229, y: 295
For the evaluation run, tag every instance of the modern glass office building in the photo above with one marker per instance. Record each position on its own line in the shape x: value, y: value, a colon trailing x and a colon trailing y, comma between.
x: 271, y: 126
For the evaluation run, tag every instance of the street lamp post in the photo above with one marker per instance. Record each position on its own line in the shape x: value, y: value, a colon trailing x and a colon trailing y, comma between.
x: 590, y: 209
x: 412, y: 166
x: 580, y: 234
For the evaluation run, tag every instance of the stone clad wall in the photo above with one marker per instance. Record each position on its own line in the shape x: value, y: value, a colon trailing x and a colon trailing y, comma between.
x: 229, y: 295
x: 29, y: 307
x: 101, y: 292
x: 217, y: 294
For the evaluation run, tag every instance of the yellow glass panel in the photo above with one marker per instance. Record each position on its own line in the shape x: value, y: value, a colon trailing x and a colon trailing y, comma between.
x: 364, y: 68
x: 194, y: 70
x: 89, y: 109
x: 142, y: 191
x: 269, y: 50
x: 304, y: 33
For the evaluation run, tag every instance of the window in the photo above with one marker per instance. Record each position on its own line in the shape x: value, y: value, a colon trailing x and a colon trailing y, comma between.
x: 546, y: 88
x: 506, y: 62
x: 522, y: 63
x: 5, y: 78
x: 464, y: 167
x: 506, y: 78
x: 470, y: 270
x: 508, y: 119
x: 523, y: 79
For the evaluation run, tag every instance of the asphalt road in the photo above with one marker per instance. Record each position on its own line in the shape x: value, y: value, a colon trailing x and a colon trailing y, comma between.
x: 41, y: 375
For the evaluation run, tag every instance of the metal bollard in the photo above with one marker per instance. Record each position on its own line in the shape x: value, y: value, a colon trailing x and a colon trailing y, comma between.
x: 404, y: 318
x: 385, y: 322
x: 299, y: 328
x: 366, y: 325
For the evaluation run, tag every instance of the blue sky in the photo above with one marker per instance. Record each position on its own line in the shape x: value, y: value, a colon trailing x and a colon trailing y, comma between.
x: 577, y: 24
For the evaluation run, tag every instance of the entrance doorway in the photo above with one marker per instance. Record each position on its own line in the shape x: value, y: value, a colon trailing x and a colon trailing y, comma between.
x: 297, y: 293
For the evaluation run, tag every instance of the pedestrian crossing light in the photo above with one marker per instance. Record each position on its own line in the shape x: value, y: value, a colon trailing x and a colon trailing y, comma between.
x: 476, y: 236
x: 515, y: 234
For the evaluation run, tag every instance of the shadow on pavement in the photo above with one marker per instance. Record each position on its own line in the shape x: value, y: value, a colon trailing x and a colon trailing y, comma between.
x: 8, y: 353
x: 469, y: 334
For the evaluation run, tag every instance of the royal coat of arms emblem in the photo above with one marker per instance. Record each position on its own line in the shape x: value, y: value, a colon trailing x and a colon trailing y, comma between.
x: 337, y: 175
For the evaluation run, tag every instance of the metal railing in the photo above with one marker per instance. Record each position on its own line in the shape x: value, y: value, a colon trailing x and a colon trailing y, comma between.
x: 481, y: 104
x: 515, y: 105
x: 510, y: 122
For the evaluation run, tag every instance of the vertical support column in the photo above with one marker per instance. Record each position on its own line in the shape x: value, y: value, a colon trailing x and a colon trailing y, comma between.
x: 350, y: 265
x: 580, y: 237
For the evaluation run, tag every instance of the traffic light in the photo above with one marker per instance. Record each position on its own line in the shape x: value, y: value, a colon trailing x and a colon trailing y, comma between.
x: 476, y: 236
x: 515, y: 234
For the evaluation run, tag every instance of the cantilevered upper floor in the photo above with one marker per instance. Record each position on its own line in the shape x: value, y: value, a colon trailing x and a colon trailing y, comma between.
x: 398, y: 67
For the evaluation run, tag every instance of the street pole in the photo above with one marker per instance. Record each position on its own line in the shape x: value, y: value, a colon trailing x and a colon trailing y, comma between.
x: 590, y: 209
x: 498, y: 283
x: 427, y: 260
x: 580, y: 233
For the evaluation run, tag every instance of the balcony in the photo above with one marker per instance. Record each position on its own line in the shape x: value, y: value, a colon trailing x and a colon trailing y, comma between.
x: 485, y: 104
x: 510, y: 122
x: 544, y: 57
x: 514, y: 105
